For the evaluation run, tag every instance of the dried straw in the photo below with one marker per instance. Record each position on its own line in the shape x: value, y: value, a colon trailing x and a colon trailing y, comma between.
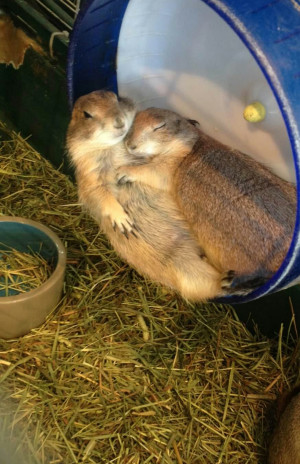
x: 123, y: 371
x: 21, y: 272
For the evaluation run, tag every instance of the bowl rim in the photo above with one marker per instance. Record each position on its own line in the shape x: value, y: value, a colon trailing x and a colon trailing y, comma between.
x: 59, y: 270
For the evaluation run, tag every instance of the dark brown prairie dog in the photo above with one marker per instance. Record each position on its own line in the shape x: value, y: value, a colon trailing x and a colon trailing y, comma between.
x: 241, y: 213
x: 285, y: 443
x: 163, y: 249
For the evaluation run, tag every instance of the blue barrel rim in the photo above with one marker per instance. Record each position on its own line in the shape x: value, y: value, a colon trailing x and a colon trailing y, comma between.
x: 281, y: 276
x: 290, y: 269
x: 113, y: 36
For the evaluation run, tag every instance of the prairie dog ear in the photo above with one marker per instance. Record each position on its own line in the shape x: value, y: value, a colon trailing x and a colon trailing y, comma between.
x: 177, y: 125
x: 194, y: 122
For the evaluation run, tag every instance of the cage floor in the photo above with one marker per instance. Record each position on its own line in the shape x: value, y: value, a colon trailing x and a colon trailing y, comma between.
x: 123, y: 371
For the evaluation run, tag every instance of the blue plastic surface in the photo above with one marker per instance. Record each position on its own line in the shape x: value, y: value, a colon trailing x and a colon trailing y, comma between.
x: 93, y: 47
x: 269, y: 29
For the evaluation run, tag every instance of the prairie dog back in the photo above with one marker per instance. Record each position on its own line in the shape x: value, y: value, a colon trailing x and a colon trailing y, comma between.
x: 242, y: 214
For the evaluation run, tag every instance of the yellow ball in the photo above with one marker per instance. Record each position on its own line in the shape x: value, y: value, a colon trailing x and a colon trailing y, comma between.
x: 255, y: 112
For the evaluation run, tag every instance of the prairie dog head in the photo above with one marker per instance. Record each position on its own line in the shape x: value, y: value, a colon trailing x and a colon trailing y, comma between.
x: 99, y: 120
x: 157, y: 131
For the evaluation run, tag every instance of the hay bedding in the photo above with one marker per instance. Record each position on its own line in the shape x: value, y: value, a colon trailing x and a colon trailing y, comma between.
x: 22, y: 271
x: 124, y: 371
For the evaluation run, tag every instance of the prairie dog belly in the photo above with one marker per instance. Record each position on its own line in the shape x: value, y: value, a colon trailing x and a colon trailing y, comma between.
x: 162, y: 232
x: 164, y: 249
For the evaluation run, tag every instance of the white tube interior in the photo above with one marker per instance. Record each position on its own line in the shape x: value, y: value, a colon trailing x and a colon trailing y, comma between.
x: 180, y: 55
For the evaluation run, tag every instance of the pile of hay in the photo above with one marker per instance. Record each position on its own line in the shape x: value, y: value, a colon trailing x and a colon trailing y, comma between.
x: 124, y: 371
x: 22, y: 271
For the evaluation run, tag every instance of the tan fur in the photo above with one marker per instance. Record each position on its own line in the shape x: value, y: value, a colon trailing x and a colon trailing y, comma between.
x: 285, y: 443
x: 163, y: 248
x: 241, y: 213
x: 99, y: 122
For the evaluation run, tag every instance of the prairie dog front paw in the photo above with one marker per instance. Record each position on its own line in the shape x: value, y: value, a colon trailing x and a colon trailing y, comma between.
x: 120, y: 219
x: 124, y: 176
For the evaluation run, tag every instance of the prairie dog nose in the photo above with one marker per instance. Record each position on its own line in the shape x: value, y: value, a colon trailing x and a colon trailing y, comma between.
x: 119, y: 123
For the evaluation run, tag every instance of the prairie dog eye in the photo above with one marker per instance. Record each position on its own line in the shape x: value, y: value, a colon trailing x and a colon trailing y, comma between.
x: 160, y: 126
x: 87, y: 115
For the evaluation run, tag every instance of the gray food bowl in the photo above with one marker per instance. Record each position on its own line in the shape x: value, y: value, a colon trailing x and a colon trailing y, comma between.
x: 21, y: 312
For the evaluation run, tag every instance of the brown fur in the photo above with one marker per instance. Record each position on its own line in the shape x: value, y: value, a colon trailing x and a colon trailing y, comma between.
x: 242, y: 214
x: 285, y: 443
x: 164, y: 248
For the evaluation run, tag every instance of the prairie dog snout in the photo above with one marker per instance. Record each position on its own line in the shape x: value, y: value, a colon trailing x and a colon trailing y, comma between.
x: 99, y: 120
x: 242, y: 214
x: 158, y: 132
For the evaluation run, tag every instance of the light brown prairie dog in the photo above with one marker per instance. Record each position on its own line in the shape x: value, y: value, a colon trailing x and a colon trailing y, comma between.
x: 99, y: 122
x: 285, y: 443
x: 163, y: 249
x: 241, y: 213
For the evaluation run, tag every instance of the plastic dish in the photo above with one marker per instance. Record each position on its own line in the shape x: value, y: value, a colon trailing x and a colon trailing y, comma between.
x: 22, y: 312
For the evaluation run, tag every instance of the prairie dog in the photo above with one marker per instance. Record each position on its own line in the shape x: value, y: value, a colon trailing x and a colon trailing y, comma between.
x: 285, y: 443
x: 99, y: 122
x: 242, y: 214
x: 163, y: 249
